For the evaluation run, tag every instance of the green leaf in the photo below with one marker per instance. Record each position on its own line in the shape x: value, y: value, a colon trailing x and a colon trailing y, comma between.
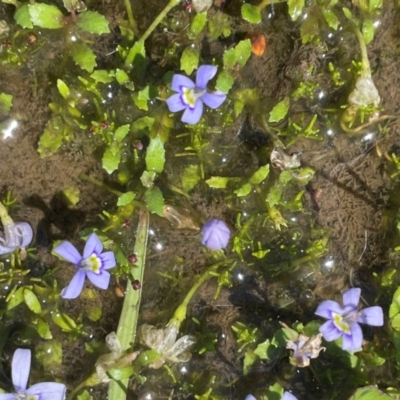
x: 125, y: 198
x: 63, y: 89
x: 331, y: 19
x: 154, y: 201
x: 141, y: 98
x: 16, y: 299
x: 147, y: 179
x: 347, y: 13
x: 70, y: 196
x: 121, y: 76
x: 121, y: 373
x: 46, y: 16
x: 251, y: 13
x: 83, y: 56
x: 395, y: 306
x: 66, y: 323
x: 274, y: 196
x: 370, y: 393
x: 238, y: 54
x: 190, y: 59
x: 32, y: 301
x: 259, y: 175
x: 295, y: 8
x: 43, y: 329
x: 190, y: 176
x: 219, y: 25
x: 102, y: 76
x: 309, y: 29
x: 198, y: 23
x: 374, y: 5
x: 217, y: 182
x: 143, y: 123
x: 244, y: 190
x: 121, y: 132
x: 368, y: 30
x: 92, y: 22
x: 85, y: 395
x: 279, y: 111
x: 49, y: 353
x: 111, y: 158
x: 155, y: 155
x: 249, y: 359
x: 51, y: 139
x: 23, y: 17
x: 5, y: 102
x: 225, y: 81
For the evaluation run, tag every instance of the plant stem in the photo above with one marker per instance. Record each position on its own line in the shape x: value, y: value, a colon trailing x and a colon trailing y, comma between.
x: 131, y: 19
x: 365, y: 67
x: 100, y: 184
x: 126, y: 331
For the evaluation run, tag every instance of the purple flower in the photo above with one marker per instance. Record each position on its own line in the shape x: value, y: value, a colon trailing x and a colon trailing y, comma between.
x: 215, y: 234
x: 343, y: 321
x: 288, y: 396
x: 93, y: 264
x: 250, y: 397
x: 20, y: 367
x: 190, y: 97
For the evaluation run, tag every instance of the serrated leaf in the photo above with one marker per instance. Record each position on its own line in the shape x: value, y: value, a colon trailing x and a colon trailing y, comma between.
x: 102, y: 76
x: 295, y: 8
x: 111, y: 158
x: 83, y: 56
x: 46, y: 16
x: 155, y: 155
x: 331, y: 19
x: 225, y: 81
x: 395, y: 306
x: 370, y: 393
x: 279, y: 111
x: 238, y: 54
x: 217, y: 182
x: 121, y: 132
x: 16, y: 299
x: 251, y: 13
x: 71, y: 196
x: 51, y: 139
x: 143, y: 123
x: 5, y: 102
x: 259, y: 175
x: 154, y: 201
x: 198, y: 23
x: 125, y: 198
x: 190, y: 176
x: 190, y: 59
x: 93, y: 22
x: 147, y: 179
x: 23, y: 17
x: 32, y: 301
x: 244, y: 190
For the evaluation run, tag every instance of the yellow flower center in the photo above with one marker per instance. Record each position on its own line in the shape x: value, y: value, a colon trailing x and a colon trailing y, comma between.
x: 92, y: 263
x: 190, y: 96
x: 341, y: 323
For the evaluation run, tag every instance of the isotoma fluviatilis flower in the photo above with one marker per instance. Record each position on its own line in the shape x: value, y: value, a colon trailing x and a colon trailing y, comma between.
x: 286, y: 396
x: 344, y: 321
x: 215, y: 234
x: 20, y: 368
x: 190, y: 96
x: 93, y: 264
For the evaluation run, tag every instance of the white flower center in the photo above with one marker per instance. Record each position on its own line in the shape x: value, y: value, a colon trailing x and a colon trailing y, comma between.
x: 190, y: 96
x: 92, y: 263
x: 25, y: 396
x: 341, y: 323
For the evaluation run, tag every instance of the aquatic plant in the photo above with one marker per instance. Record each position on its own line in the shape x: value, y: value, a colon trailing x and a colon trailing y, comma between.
x: 20, y: 368
x: 16, y: 234
x: 288, y: 396
x: 190, y: 96
x: 93, y: 264
x: 215, y: 234
x: 305, y: 348
x: 344, y: 321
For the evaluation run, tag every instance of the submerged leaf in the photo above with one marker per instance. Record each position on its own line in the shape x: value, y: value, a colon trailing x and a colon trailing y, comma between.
x: 83, y: 56
x: 154, y: 201
x: 279, y: 111
x: 190, y: 59
x: 251, y: 13
x: 295, y: 8
x: 46, y: 16
x: 155, y: 155
x: 23, y: 17
x: 93, y: 22
x: 5, y: 102
x: 237, y: 55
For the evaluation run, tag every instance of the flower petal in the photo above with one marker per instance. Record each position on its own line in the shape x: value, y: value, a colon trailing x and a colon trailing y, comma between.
x: 192, y: 116
x: 250, y: 397
x: 100, y: 280
x: 175, y: 103
x: 48, y: 391
x: 353, y: 341
x: 24, y: 233
x: 7, y: 396
x: 74, y: 289
x: 93, y: 245
x: 179, y: 81
x: 371, y: 316
x: 329, y: 331
x: 326, y: 308
x: 204, y: 74
x: 68, y: 252
x: 107, y: 260
x: 6, y: 250
x: 213, y: 100
x: 178, y: 352
x: 215, y: 234
x: 21, y: 365
x: 351, y: 297
x: 288, y: 396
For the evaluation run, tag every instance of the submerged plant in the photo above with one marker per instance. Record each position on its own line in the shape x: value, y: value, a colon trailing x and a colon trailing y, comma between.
x: 215, y: 234
x: 93, y: 264
x: 16, y: 234
x: 190, y: 96
x: 344, y: 321
x: 20, y: 368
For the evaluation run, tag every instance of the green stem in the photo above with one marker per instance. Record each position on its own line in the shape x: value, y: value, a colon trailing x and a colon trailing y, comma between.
x: 126, y: 331
x: 131, y: 19
x: 100, y: 184
x: 365, y: 67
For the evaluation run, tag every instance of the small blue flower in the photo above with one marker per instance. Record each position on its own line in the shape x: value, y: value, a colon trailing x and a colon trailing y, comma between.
x: 20, y: 368
x: 190, y: 96
x: 94, y: 265
x: 215, y: 234
x: 344, y: 321
x: 288, y: 396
